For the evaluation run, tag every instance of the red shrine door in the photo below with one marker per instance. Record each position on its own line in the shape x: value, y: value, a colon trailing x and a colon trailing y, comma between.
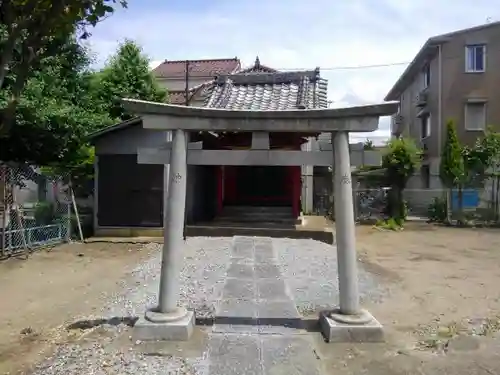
x: 261, y: 186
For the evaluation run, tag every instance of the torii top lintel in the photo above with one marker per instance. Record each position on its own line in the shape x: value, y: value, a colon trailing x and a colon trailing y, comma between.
x: 161, y: 116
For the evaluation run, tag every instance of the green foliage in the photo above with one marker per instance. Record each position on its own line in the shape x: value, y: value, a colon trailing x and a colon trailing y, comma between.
x: 371, y: 176
x: 80, y: 169
x: 452, y: 168
x: 485, y: 154
x: 55, y: 112
x: 438, y: 210
x: 463, y: 166
x: 45, y: 213
x: 368, y: 145
x: 31, y: 31
x: 400, y: 161
x: 394, y: 224
x: 127, y: 75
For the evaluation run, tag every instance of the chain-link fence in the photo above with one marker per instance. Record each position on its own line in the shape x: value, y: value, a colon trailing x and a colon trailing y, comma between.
x: 35, y: 210
x: 477, y: 204
x: 370, y: 204
x: 474, y: 205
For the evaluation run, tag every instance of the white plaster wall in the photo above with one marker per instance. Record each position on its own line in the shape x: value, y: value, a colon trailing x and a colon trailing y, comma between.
x: 307, y: 176
x: 127, y: 141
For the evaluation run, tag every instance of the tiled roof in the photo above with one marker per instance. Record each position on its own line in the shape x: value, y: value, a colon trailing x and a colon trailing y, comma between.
x: 197, y: 68
x: 179, y: 96
x: 253, y: 90
x: 257, y: 67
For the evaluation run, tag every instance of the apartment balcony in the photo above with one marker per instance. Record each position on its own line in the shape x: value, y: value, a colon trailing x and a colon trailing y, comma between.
x: 422, y: 98
x: 397, y: 122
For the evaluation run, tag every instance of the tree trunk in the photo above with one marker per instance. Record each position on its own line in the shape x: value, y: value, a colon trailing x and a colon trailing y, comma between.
x: 7, y: 54
x: 460, y: 199
x: 394, y: 208
x: 496, y: 188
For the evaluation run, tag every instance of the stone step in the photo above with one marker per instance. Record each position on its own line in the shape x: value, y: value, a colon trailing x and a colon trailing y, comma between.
x: 261, y: 220
x: 258, y: 209
x: 257, y: 213
x: 230, y: 230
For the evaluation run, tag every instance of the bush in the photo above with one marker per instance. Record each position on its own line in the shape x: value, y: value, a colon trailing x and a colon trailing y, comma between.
x: 391, y: 224
x: 44, y: 213
x: 400, y: 161
x: 438, y: 210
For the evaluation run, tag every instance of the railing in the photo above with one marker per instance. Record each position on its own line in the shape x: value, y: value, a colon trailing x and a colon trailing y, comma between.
x: 35, y: 211
x: 422, y: 98
x: 35, y: 237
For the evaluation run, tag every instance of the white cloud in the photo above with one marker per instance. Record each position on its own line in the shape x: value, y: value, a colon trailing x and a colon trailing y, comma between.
x: 297, y: 34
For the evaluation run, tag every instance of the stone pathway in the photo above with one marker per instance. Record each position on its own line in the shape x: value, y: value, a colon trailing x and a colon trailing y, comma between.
x: 258, y: 328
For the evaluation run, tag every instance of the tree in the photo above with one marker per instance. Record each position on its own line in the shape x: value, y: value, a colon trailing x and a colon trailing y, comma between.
x: 368, y: 145
x: 453, y: 169
x: 127, y: 75
x: 400, y: 161
x: 482, y: 162
x: 31, y: 30
x: 55, y: 111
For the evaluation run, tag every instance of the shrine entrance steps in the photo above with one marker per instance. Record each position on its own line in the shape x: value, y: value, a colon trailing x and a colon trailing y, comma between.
x: 262, y: 216
x: 261, y: 221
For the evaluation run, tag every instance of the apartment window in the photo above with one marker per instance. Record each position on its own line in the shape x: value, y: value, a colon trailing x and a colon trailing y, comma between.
x: 425, y: 124
x: 475, y: 58
x: 475, y: 116
x: 426, y: 73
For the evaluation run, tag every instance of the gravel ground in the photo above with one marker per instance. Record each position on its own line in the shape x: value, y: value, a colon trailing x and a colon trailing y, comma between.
x: 202, y: 278
x: 309, y: 267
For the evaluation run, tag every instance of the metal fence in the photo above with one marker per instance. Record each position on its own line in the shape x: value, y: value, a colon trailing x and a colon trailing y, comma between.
x: 35, y: 210
x: 479, y: 205
x: 370, y: 204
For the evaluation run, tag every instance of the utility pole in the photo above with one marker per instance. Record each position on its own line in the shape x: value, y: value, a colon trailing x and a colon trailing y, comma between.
x: 186, y: 84
x: 186, y: 103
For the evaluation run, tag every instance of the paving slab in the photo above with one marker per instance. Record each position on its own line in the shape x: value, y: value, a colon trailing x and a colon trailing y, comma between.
x: 267, y: 271
x: 288, y: 355
x: 234, y: 355
x: 272, y: 289
x: 241, y: 271
x: 239, y: 288
x: 258, y: 329
x: 270, y: 309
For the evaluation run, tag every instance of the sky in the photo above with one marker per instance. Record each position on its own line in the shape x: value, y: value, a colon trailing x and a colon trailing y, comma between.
x: 289, y: 34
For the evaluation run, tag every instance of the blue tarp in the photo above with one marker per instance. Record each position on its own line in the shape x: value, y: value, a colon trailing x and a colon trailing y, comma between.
x: 470, y: 199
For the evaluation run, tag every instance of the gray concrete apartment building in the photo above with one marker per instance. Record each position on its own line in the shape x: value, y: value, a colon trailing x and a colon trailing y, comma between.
x: 453, y: 76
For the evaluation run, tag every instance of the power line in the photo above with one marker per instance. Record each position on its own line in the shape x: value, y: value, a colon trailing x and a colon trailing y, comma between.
x: 353, y: 67
x: 373, y: 66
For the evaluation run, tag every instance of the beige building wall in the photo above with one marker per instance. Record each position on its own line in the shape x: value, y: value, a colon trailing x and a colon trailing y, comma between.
x: 458, y: 88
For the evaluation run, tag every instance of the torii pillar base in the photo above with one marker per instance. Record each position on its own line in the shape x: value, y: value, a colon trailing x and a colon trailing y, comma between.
x: 337, y: 328
x: 154, y: 326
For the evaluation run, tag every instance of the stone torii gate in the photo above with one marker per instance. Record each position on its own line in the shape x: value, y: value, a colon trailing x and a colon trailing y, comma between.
x: 169, y: 321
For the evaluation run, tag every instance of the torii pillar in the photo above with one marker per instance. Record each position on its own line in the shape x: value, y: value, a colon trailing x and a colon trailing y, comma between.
x: 168, y: 320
